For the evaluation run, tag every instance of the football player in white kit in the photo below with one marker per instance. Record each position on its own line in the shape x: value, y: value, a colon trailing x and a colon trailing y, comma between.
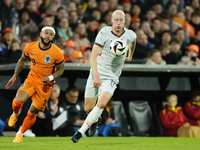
x: 105, y: 71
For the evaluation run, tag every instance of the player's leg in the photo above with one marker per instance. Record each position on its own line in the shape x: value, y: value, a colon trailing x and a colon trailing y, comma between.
x: 39, y: 100
x: 27, y: 123
x: 89, y: 104
x: 105, y: 92
x: 93, y: 115
x: 102, y: 100
x: 24, y: 92
x: 17, y: 104
x: 30, y: 118
x: 91, y: 94
x: 89, y: 108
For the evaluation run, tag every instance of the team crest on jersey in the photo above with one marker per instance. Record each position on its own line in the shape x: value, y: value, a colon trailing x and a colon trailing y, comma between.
x: 47, y: 59
x: 23, y: 85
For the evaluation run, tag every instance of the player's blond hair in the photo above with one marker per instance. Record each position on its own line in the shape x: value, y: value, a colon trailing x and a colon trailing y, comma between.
x: 118, y: 11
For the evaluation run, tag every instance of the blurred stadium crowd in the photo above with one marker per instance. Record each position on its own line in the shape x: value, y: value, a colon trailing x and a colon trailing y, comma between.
x: 168, y: 31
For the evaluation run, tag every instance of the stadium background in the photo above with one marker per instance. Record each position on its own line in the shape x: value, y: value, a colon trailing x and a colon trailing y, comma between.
x: 138, y: 82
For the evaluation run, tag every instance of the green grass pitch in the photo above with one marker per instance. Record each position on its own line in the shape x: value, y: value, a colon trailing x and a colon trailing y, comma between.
x: 101, y: 143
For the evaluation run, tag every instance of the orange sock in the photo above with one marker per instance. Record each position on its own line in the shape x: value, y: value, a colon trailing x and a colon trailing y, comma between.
x: 28, y: 121
x: 16, y: 105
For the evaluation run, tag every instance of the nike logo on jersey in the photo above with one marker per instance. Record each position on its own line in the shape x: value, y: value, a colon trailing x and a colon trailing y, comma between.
x: 32, y: 54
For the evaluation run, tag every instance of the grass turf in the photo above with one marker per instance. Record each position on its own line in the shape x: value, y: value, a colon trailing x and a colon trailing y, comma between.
x: 101, y: 143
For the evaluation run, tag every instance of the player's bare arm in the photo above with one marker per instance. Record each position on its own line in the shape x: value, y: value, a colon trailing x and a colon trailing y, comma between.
x: 131, y: 51
x: 20, y: 65
x: 59, y: 71
x: 93, y: 61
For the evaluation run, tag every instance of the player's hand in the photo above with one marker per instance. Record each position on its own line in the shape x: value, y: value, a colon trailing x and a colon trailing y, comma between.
x: 45, y: 80
x: 10, y: 82
x: 97, y: 82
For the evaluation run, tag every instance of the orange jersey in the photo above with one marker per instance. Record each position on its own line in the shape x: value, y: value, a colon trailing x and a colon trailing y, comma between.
x: 43, y: 61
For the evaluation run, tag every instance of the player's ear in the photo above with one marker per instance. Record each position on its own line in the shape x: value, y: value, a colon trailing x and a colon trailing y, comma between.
x: 112, y: 19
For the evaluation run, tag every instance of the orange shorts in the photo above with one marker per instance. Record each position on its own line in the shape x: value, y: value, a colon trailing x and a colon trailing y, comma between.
x: 39, y: 93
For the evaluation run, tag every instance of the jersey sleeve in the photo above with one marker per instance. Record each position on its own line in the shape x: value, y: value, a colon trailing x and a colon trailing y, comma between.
x: 101, y: 37
x: 133, y: 36
x: 60, y: 57
x: 27, y: 50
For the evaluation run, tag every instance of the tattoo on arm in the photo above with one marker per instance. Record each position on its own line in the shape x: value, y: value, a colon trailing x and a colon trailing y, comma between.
x: 20, y: 64
x: 59, y: 70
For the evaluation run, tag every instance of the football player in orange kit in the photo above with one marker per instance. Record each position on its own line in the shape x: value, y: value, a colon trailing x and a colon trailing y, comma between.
x: 47, y: 64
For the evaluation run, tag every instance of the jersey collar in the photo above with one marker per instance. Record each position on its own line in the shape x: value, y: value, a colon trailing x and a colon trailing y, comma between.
x: 46, y: 48
x: 120, y: 34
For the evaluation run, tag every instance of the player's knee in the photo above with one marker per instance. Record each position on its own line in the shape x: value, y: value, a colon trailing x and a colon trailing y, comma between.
x: 33, y: 109
x: 101, y: 105
x: 22, y: 96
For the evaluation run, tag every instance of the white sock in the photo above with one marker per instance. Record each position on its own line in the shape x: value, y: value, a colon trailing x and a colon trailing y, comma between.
x: 19, y: 132
x: 16, y: 114
x: 91, y: 118
x: 95, y: 120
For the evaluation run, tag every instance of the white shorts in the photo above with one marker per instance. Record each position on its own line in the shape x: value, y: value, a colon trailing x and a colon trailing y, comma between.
x: 106, y: 85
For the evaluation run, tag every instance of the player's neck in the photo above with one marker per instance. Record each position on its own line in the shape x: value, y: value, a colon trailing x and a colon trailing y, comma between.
x: 44, y: 46
x: 118, y: 32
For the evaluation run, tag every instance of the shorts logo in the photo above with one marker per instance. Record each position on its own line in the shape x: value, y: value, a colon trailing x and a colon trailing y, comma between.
x: 112, y: 84
x: 23, y: 85
x: 47, y: 59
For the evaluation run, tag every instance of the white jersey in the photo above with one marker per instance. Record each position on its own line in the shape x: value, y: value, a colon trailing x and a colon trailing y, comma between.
x: 109, y: 65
